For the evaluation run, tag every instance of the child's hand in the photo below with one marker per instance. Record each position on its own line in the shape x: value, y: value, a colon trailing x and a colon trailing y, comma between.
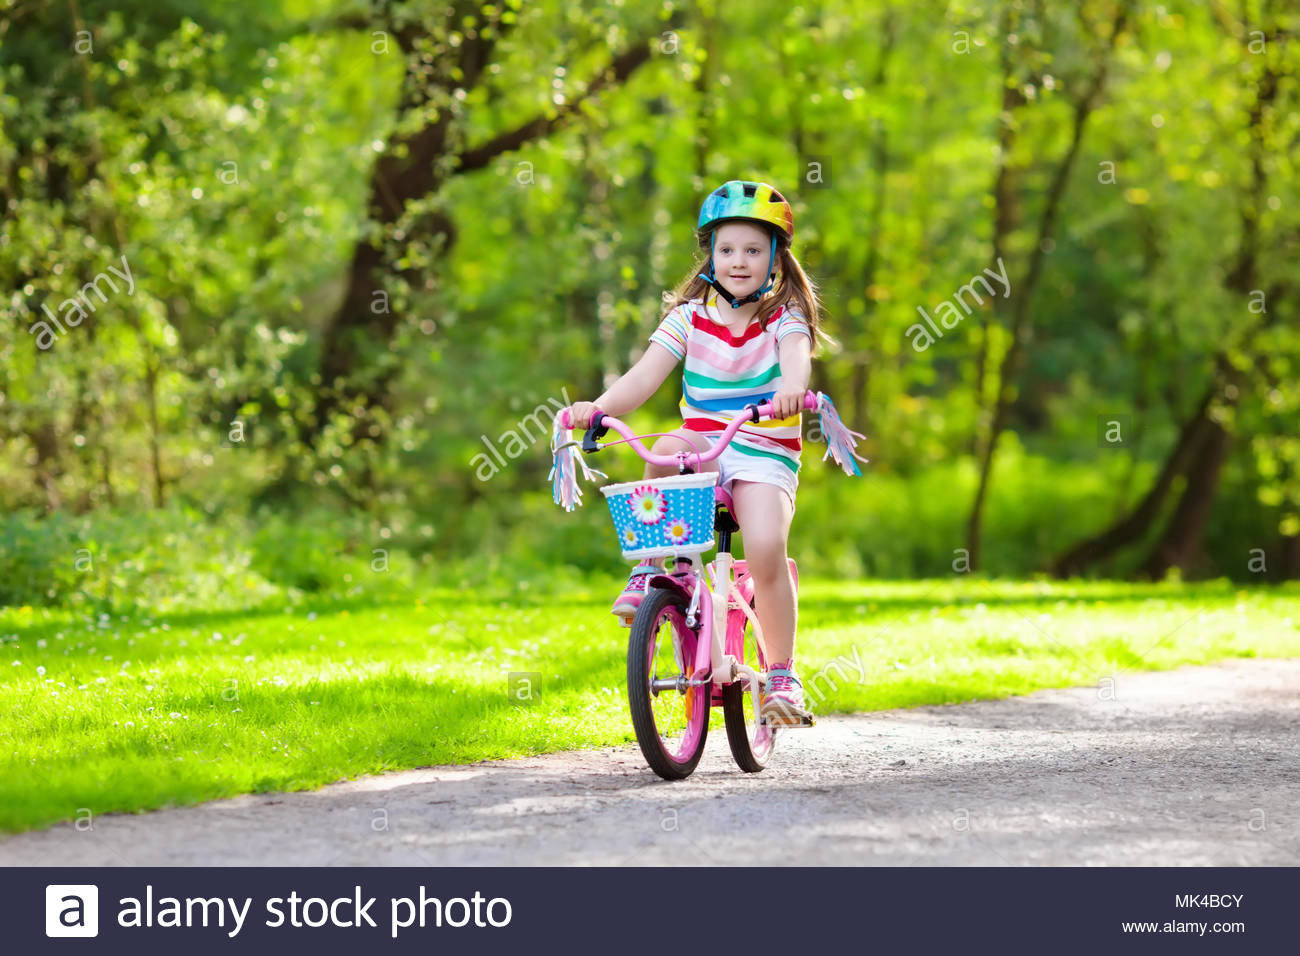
x: 581, y: 413
x: 787, y: 402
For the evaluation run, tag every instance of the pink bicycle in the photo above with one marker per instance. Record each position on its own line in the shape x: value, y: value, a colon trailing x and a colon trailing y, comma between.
x: 695, y: 640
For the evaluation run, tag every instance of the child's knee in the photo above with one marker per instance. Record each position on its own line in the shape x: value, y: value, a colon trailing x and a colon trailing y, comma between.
x: 766, y: 558
x: 684, y: 441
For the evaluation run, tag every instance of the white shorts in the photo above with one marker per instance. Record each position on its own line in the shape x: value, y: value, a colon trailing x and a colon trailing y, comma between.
x: 733, y: 465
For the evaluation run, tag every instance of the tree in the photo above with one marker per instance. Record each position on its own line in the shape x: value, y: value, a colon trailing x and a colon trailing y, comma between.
x: 1204, y: 438
x: 1021, y: 301
x: 446, y: 60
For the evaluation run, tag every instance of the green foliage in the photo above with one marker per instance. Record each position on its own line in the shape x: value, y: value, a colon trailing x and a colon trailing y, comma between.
x: 227, y: 152
x: 166, y: 559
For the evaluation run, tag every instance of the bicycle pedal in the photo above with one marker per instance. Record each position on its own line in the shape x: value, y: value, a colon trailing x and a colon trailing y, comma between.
x: 789, y: 721
x: 625, y: 620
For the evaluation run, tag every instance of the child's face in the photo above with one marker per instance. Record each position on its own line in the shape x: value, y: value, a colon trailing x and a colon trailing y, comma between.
x: 740, y: 257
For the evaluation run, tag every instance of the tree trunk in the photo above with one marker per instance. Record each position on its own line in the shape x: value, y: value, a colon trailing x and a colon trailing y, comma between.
x: 359, y: 336
x: 1133, y: 526
x: 49, y: 467
x: 704, y: 99
x: 1022, y: 302
x: 1203, y: 443
x: 860, y: 389
x: 1288, y: 567
x: 359, y: 333
x: 155, y: 439
x: 1180, y: 544
x: 1006, y: 211
x: 106, y: 474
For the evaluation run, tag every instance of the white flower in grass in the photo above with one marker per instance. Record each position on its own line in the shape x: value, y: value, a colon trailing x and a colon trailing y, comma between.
x: 647, y: 504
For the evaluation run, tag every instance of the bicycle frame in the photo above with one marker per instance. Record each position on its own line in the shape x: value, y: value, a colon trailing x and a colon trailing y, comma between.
x: 719, y: 648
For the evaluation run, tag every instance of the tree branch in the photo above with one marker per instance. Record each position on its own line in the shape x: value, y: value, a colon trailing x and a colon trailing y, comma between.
x: 618, y: 70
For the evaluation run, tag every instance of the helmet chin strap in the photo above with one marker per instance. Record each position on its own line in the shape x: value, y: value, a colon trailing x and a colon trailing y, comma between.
x: 732, y: 301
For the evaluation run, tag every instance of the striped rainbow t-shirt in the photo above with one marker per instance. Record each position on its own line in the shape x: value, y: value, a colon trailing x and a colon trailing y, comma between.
x: 724, y: 372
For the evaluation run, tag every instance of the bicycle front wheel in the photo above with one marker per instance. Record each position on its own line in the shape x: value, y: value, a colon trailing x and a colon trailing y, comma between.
x: 671, y: 719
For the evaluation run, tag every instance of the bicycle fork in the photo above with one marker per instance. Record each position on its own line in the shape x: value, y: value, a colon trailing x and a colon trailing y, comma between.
x: 710, y: 604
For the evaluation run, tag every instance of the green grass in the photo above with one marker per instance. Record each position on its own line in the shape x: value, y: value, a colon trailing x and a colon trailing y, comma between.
x: 110, y: 714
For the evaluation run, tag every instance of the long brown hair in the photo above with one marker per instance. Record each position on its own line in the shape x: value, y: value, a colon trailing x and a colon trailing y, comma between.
x: 793, y: 289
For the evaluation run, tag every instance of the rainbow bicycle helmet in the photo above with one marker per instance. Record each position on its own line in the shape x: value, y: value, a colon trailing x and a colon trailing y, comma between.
x: 742, y: 200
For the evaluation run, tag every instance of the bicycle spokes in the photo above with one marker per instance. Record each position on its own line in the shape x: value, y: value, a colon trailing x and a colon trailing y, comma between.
x: 672, y: 700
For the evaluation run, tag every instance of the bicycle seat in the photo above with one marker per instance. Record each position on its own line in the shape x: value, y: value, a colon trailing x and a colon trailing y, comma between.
x: 724, y: 511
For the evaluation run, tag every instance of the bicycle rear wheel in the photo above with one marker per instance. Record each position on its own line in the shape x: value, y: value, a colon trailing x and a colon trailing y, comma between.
x: 671, y: 719
x: 751, y: 742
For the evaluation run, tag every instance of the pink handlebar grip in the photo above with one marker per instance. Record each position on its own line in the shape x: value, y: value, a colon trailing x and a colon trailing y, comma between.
x: 565, y: 421
x: 809, y: 404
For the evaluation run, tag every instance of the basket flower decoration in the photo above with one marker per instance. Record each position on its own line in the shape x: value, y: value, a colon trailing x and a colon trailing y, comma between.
x: 629, y: 538
x: 678, y: 531
x: 647, y: 504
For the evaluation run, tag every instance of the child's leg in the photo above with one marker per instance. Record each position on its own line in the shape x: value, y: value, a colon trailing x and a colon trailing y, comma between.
x: 764, y: 513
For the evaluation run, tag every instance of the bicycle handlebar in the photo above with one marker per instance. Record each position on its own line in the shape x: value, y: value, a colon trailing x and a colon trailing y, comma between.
x: 600, y: 423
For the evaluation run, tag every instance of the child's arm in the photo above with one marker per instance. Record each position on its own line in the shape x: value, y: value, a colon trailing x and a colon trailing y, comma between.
x: 633, y: 388
x: 796, y: 370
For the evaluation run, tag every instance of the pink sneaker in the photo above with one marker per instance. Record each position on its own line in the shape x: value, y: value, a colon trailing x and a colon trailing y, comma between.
x: 625, y: 604
x: 783, y: 699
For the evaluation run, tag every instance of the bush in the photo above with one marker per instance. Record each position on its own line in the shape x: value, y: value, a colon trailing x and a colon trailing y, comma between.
x: 915, y: 525
x: 163, y: 559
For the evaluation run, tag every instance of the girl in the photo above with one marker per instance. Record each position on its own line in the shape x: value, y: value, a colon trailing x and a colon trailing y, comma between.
x: 745, y: 323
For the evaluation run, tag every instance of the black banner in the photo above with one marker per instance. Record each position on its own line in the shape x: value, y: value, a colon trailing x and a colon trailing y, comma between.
x: 632, y: 910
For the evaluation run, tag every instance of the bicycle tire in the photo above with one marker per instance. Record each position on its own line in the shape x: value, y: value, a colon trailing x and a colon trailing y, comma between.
x: 643, y: 647
x: 751, y: 743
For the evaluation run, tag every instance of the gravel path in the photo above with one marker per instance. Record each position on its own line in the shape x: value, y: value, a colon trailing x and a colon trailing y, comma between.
x: 1189, y: 767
